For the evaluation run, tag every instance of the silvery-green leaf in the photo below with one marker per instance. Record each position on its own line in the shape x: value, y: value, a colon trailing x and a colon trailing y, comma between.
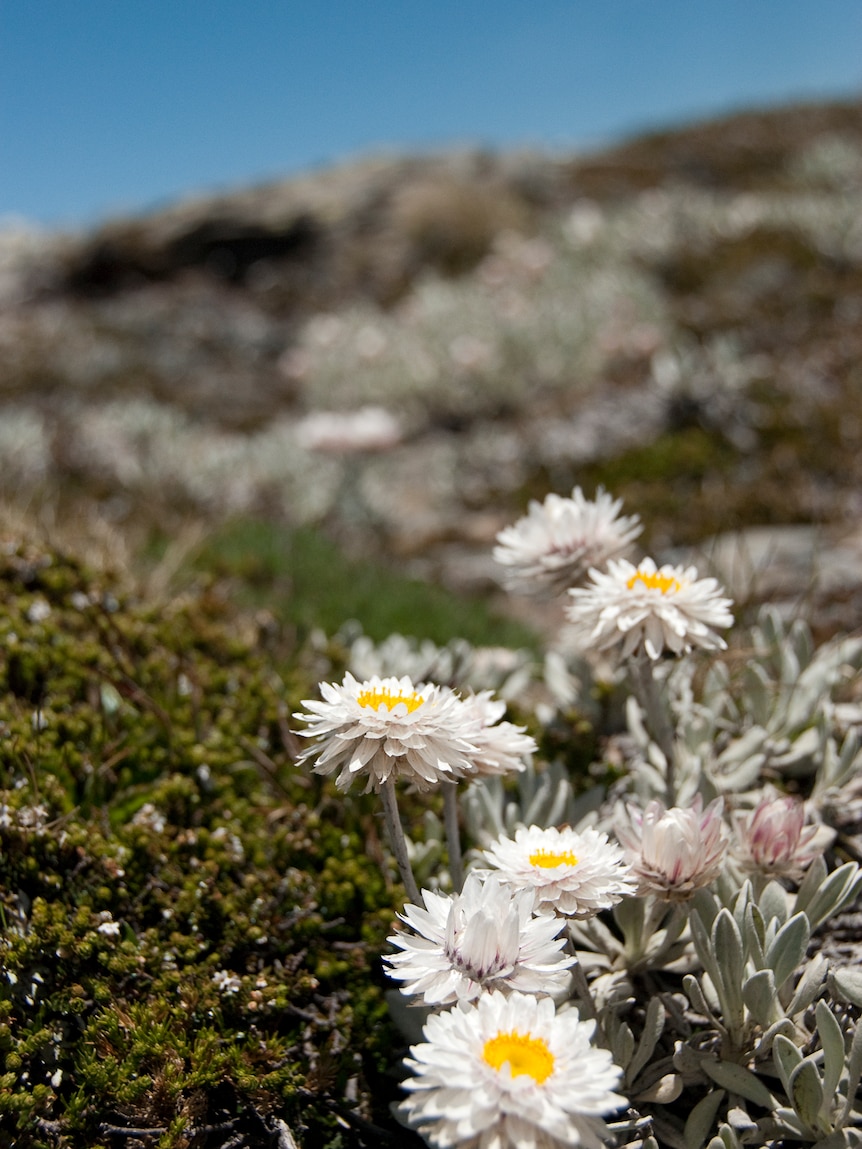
x: 741, y: 776
x: 703, y: 945
x: 846, y: 983
x: 773, y: 903
x: 707, y: 906
x: 743, y: 758
x: 696, y: 995
x: 759, y: 995
x: 840, y: 1139
x: 629, y: 914
x: 854, y: 1070
x: 634, y: 721
x: 561, y: 800
x: 788, y: 947
x: 661, y: 1092
x: 806, y: 1094
x: 839, y: 889
x: 758, y: 693
x: 702, y: 1118
x: 790, y: 668
x: 740, y: 903
x: 622, y: 1045
x: 652, y: 1031
x: 803, y: 756
x: 847, y: 763
x: 715, y: 683
x: 809, y: 984
x: 814, y: 878
x: 739, y: 1121
x: 832, y: 1041
x: 802, y: 641
x: 787, y: 1057
x: 789, y: 1120
x: 730, y: 964
x: 753, y: 930
x: 784, y: 1026
x: 737, y: 1079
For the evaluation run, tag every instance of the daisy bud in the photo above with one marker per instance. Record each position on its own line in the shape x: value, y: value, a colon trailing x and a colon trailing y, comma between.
x: 774, y: 840
x: 677, y: 851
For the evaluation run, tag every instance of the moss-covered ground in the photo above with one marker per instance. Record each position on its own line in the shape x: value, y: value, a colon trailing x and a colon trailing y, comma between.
x: 191, y: 926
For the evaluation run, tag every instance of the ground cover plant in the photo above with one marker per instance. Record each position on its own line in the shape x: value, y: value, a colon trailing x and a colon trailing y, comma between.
x: 649, y: 963
x: 235, y: 885
x: 622, y: 908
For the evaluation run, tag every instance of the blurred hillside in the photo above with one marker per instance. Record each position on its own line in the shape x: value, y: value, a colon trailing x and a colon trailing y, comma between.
x: 678, y: 318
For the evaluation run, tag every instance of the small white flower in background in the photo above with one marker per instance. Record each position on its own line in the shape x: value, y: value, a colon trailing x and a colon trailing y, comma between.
x: 226, y: 982
x: 109, y: 928
x: 509, y: 1073
x: 649, y: 608
x: 388, y: 728
x: 350, y: 432
x: 559, y: 540
x: 677, y: 851
x: 482, y: 939
x: 774, y: 840
x: 500, y: 747
x: 38, y: 610
x: 577, y: 873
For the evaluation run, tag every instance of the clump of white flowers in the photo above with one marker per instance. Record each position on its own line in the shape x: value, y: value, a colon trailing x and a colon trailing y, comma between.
x: 637, y: 964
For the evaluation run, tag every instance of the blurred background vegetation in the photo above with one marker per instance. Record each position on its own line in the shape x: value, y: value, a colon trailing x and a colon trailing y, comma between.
x: 192, y: 927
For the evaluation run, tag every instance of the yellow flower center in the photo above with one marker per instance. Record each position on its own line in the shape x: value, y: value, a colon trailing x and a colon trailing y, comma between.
x: 548, y: 860
x: 655, y: 580
x: 377, y: 698
x: 524, y: 1054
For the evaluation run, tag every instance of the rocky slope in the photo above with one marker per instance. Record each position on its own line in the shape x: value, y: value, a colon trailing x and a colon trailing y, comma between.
x: 403, y: 351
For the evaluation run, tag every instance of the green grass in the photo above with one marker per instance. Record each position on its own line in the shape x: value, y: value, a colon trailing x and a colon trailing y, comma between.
x: 308, y: 582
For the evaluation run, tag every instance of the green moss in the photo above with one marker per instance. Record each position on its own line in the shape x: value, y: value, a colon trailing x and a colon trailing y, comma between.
x: 186, y: 941
x: 309, y: 584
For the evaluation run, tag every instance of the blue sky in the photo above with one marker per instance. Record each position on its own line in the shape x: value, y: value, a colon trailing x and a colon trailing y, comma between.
x: 112, y: 106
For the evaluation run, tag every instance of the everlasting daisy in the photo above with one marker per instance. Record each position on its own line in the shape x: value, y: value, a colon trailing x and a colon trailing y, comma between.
x: 774, y: 840
x: 510, y: 1073
x: 649, y: 608
x: 499, y: 747
x: 577, y: 873
x: 675, y: 852
x: 482, y: 939
x: 387, y: 728
x: 557, y: 541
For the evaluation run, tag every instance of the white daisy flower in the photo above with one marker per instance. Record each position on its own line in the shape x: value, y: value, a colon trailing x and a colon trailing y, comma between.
x: 509, y: 1073
x: 654, y: 608
x: 500, y: 747
x: 575, y: 872
x: 484, y: 938
x: 677, y: 851
x: 388, y: 728
x: 557, y: 541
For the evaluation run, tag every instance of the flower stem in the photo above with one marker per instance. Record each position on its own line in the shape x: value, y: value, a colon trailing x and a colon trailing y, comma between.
x: 658, y: 720
x: 453, y: 837
x: 397, y: 840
